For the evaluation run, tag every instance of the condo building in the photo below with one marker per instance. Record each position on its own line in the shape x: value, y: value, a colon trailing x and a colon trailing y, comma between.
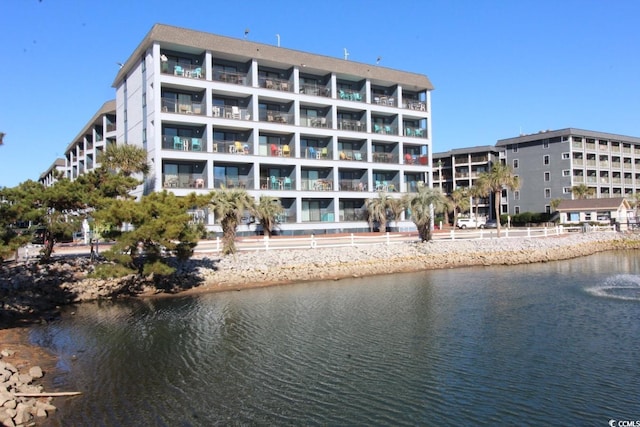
x: 322, y: 134
x: 550, y: 163
x: 459, y: 168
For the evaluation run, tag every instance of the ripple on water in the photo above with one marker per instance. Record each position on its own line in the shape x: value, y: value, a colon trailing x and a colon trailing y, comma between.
x: 620, y: 286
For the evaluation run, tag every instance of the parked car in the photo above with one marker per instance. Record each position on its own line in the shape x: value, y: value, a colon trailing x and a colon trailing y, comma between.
x: 470, y: 222
x: 492, y: 223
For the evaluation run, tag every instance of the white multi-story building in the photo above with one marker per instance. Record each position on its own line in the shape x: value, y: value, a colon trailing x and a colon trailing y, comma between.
x: 322, y: 134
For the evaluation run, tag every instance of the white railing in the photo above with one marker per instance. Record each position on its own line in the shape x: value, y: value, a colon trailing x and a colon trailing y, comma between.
x: 334, y: 241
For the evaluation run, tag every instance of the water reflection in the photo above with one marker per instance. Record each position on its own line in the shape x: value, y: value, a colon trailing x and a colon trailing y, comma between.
x: 510, y: 345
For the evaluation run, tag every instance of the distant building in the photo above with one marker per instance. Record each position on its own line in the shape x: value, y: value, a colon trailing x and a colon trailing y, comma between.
x: 613, y: 210
x: 50, y: 176
x: 550, y: 163
x: 459, y: 168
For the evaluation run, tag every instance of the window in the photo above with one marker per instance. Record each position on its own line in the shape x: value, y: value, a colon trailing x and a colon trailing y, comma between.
x: 516, y: 195
x: 546, y: 159
x: 566, y: 172
x: 565, y: 156
x: 547, y: 209
x: 514, y: 147
x: 547, y: 193
x: 547, y: 176
x: 515, y: 163
x: 587, y: 216
x: 545, y: 143
x: 516, y: 210
x: 566, y: 190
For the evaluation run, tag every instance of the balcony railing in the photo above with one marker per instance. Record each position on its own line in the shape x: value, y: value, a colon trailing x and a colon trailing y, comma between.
x: 316, y: 122
x: 232, y: 147
x: 576, y: 144
x: 111, y: 127
x: 171, y: 105
x: 317, y: 153
x: 288, y: 216
x: 384, y: 157
x: 231, y: 112
x: 413, y: 104
x: 350, y: 95
x: 276, y: 84
x: 277, y: 183
x: 352, y: 155
x: 277, y: 117
x: 315, y: 90
x: 317, y: 184
x: 277, y: 150
x: 384, y: 100
x: 184, y: 180
x: 235, y: 78
x: 352, y: 185
x: 181, y: 143
x: 413, y: 159
x: 590, y: 146
x: 353, y: 125
x: 348, y: 215
x: 233, y: 182
x: 415, y: 132
x: 578, y: 179
x: 386, y: 186
x: 183, y: 70
x: 384, y: 129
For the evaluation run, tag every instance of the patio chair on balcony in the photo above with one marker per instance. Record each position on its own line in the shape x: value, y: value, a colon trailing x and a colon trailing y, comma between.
x: 357, y: 156
x: 196, y: 145
x: 408, y: 132
x: 286, y: 152
x: 287, y: 183
x: 235, y: 113
x: 377, y: 128
x: 178, y: 71
x: 197, y: 73
x: 387, y: 130
x: 312, y: 152
x: 177, y: 143
x: 325, y: 153
x: 379, y: 186
x: 419, y: 132
x: 274, y: 150
x: 408, y: 159
x: 275, y: 183
x: 239, y: 147
x: 356, y: 96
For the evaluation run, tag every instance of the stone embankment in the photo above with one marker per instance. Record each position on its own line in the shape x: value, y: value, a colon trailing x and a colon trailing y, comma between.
x: 17, y: 408
x: 34, y: 290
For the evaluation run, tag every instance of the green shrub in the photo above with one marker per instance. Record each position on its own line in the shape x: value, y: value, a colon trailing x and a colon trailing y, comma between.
x: 110, y: 271
x: 157, y: 268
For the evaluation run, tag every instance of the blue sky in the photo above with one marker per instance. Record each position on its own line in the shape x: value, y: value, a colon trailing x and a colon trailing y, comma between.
x: 499, y: 67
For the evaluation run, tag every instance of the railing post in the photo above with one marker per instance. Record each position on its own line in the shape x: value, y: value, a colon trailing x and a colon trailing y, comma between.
x: 217, y: 244
x: 528, y: 231
x: 545, y: 231
x: 506, y: 232
x: 313, y: 242
x: 388, y: 238
x: 352, y: 240
x: 452, y: 234
x: 266, y: 243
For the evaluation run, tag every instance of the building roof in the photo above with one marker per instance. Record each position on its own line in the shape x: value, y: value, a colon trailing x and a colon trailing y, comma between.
x: 467, y: 150
x: 545, y: 134
x: 175, y: 37
x: 58, y: 163
x: 107, y: 107
x: 613, y: 203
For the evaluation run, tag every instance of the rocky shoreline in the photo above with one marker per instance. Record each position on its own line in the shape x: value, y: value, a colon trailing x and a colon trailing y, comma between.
x: 33, y: 292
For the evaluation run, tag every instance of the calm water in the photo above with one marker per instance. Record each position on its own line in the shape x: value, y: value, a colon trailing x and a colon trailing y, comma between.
x: 543, y: 344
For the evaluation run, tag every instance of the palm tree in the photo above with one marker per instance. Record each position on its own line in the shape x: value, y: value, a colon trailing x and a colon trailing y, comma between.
x: 377, y: 211
x: 229, y: 206
x: 126, y: 159
x: 396, y: 207
x: 267, y: 211
x: 478, y: 190
x: 459, y: 201
x: 499, y: 177
x: 582, y: 191
x: 423, y: 204
x: 2, y: 134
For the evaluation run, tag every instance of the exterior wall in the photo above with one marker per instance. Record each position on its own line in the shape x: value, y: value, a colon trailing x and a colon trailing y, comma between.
x: 217, y: 116
x: 607, y: 163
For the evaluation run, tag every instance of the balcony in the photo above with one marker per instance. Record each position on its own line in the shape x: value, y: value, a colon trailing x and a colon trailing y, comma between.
x: 350, y: 95
x: 277, y: 117
x: 384, y: 100
x: 235, y: 78
x: 317, y: 184
x: 171, y: 105
x: 576, y: 145
x: 385, y: 129
x: 315, y: 90
x: 183, y: 70
x: 277, y: 84
x: 231, y: 112
x: 318, y: 153
x: 414, y: 104
x: 352, y: 125
x: 184, y: 180
x: 379, y: 157
x: 415, y: 132
x: 277, y: 183
x: 413, y: 159
x: 354, y: 155
x: 277, y: 150
x: 180, y: 143
x: 232, y: 147
x: 316, y: 122
x: 352, y: 215
x: 288, y: 216
x: 352, y: 185
x: 578, y: 179
x: 242, y: 182
x: 386, y: 186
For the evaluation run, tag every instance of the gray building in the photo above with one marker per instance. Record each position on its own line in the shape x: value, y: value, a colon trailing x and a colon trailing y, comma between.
x: 550, y: 163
